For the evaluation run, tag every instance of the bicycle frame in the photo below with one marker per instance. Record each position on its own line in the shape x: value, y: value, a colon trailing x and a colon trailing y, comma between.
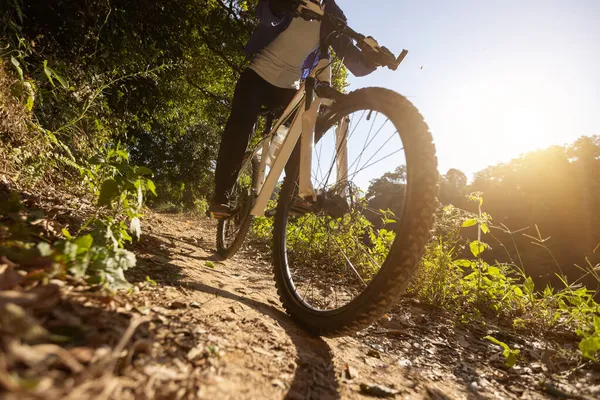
x: 304, y: 122
x: 304, y: 117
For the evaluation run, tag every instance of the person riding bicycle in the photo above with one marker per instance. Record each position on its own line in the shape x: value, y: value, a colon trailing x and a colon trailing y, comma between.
x: 282, y: 50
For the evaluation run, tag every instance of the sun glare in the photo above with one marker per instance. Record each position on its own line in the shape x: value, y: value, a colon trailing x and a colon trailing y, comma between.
x: 500, y: 119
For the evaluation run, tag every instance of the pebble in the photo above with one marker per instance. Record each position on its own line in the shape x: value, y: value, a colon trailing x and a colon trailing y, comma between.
x: 278, y: 383
x: 405, y: 363
x: 377, y: 390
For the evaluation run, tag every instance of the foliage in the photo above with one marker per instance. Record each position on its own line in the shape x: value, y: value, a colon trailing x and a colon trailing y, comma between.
x: 472, y: 287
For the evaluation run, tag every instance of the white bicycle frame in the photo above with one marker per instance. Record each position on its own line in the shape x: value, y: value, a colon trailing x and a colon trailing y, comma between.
x: 301, y: 129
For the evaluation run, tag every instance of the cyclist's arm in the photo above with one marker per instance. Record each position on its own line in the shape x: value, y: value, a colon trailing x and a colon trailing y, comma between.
x: 354, y: 58
x: 266, y: 13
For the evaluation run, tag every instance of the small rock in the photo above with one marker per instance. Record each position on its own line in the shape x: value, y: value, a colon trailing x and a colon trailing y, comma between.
x: 177, y: 305
x: 410, y: 384
x: 377, y: 390
x: 195, y: 304
x: 278, y: 383
x: 483, y: 383
x: 82, y: 354
x: 474, y: 386
x: 537, y: 367
x: 373, y: 353
x: 405, y: 363
x: 516, y: 389
x: 350, y: 372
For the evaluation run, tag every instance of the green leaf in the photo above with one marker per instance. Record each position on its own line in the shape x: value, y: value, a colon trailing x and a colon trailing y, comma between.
x: 589, y: 347
x: 496, y: 341
x: 17, y: 66
x: 84, y: 242
x: 109, y: 189
x: 48, y: 72
x: 485, y: 229
x: 66, y: 234
x: 144, y: 171
x: 151, y: 281
x: 469, y: 222
x: 462, y: 263
x: 511, y: 358
x: 597, y: 324
x: 97, y: 160
x: 477, y: 247
x: 29, y: 103
x: 509, y: 354
x: 151, y: 186
x: 209, y: 264
x: 529, y: 285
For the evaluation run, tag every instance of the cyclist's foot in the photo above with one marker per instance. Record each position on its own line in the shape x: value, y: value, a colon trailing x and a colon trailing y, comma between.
x: 301, y: 207
x: 218, y: 211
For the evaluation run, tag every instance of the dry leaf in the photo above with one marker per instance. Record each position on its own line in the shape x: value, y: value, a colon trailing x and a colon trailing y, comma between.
x: 14, y: 320
x: 9, y: 278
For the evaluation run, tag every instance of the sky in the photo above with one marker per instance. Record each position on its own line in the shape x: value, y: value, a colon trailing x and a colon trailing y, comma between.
x: 493, y: 79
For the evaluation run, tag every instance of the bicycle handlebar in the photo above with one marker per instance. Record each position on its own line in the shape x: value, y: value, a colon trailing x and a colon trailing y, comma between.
x: 307, y: 10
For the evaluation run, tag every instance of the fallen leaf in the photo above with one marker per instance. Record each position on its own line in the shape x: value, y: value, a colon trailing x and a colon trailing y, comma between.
x: 14, y: 320
x: 34, y: 355
x: 40, y: 297
x: 9, y: 278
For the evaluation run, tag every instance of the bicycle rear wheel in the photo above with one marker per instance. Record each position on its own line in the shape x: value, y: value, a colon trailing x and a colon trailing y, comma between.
x: 231, y: 232
x: 339, y: 265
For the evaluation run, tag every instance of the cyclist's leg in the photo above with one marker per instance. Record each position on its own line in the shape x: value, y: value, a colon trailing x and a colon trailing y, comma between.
x: 247, y: 101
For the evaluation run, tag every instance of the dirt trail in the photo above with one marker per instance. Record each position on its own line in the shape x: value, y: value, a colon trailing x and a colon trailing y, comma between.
x: 220, y: 333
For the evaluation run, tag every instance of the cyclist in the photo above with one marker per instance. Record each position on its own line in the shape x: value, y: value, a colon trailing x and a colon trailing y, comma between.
x: 282, y: 50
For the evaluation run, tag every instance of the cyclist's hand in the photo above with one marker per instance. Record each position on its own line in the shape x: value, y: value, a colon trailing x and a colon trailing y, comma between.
x: 279, y: 7
x: 379, y: 57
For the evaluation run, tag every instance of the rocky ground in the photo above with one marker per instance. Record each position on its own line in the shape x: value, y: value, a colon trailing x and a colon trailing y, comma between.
x: 197, y: 327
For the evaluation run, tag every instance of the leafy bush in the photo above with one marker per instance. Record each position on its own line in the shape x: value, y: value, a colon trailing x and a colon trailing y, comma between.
x: 475, y: 288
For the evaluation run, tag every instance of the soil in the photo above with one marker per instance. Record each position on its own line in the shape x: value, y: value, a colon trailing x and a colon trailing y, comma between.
x: 197, y: 327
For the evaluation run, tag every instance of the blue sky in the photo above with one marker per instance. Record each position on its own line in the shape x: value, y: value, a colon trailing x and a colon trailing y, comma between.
x: 499, y: 78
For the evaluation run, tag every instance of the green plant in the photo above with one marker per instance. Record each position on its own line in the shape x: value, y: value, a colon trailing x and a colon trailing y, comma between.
x: 472, y: 286
x: 590, y: 345
x: 509, y: 354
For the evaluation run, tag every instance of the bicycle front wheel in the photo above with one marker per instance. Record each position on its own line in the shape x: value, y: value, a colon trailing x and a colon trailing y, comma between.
x: 340, y: 262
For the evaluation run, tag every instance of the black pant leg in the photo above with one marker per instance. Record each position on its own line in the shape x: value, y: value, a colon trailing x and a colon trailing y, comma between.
x: 247, y: 101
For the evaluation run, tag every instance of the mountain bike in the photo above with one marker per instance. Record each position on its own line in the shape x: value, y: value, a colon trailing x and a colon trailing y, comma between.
x: 339, y: 259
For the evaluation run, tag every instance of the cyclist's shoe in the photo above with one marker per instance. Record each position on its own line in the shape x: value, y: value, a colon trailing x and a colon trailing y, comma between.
x: 219, y: 211
x: 301, y: 207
